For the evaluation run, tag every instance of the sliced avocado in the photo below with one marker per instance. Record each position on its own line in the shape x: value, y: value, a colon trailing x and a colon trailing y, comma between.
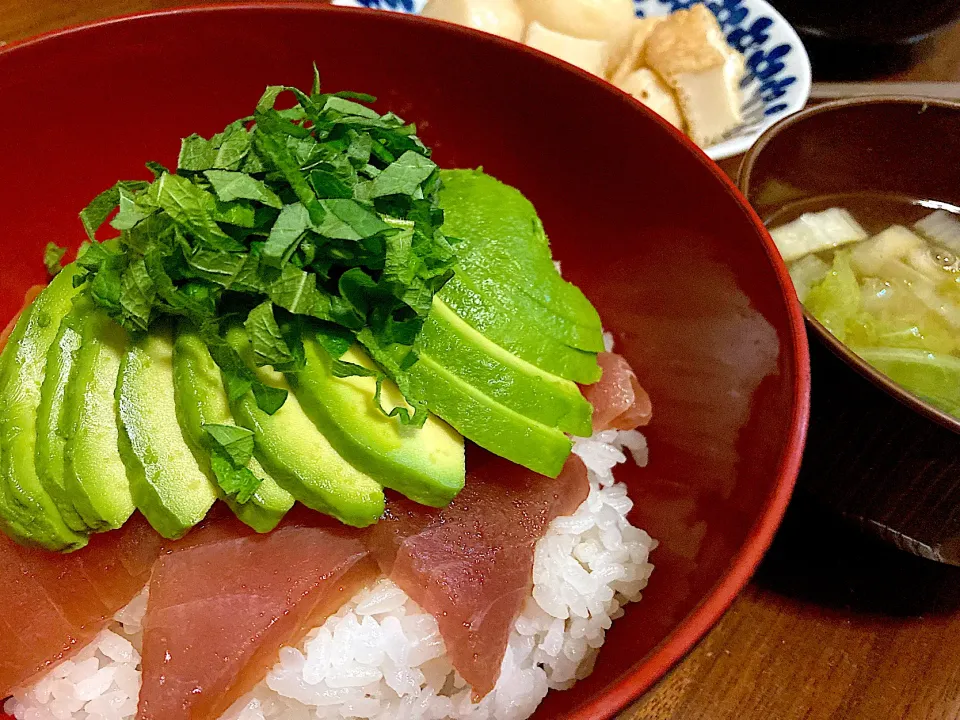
x: 500, y: 225
x: 169, y: 486
x: 51, y: 432
x: 487, y: 273
x: 543, y: 302
x: 202, y: 400
x: 425, y: 464
x: 502, y: 376
x: 503, y: 240
x: 500, y: 296
x: 489, y: 216
x: 94, y: 473
x: 489, y: 424
x: 497, y: 317
x: 27, y: 512
x: 300, y: 457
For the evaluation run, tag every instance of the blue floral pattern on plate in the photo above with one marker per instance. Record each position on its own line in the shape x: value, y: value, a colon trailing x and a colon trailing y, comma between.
x: 403, y: 5
x: 777, y: 81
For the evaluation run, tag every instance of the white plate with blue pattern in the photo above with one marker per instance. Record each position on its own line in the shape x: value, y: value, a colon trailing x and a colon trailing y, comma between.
x: 778, y: 76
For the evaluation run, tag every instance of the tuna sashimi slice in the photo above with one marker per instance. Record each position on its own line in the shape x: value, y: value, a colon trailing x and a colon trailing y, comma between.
x: 54, y: 604
x: 471, y: 564
x: 225, y: 600
x: 619, y: 402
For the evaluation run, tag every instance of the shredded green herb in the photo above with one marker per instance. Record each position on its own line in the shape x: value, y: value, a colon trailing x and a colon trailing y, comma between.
x: 231, y: 448
x: 321, y: 218
x: 53, y: 258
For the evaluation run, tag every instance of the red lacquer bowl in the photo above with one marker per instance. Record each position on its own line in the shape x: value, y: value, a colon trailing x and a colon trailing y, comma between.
x: 680, y: 268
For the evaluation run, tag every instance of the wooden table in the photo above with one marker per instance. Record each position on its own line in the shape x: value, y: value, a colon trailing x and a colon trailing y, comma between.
x: 835, y: 626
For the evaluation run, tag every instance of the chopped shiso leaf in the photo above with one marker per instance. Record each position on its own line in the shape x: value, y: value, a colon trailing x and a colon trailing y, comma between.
x: 238, y: 482
x: 268, y: 342
x: 231, y: 450
x: 96, y: 213
x: 53, y: 258
x: 236, y: 442
x: 320, y: 218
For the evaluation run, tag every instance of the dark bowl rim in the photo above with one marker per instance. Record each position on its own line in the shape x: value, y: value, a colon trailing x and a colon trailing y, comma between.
x: 848, y: 356
x: 628, y: 687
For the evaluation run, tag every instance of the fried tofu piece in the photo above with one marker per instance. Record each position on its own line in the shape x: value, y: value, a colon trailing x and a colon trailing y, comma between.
x: 632, y: 57
x: 647, y: 87
x: 688, y: 50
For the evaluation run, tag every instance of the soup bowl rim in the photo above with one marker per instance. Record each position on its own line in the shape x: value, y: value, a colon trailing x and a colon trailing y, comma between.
x: 838, y: 348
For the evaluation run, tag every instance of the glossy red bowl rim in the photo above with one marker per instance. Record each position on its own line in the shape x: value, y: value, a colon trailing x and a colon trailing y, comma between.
x: 695, y: 626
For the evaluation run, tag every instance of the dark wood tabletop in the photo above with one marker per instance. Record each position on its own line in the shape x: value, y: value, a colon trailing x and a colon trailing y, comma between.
x: 835, y: 625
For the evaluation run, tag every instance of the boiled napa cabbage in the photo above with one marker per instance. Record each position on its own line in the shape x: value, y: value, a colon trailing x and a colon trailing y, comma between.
x: 934, y: 376
x: 835, y: 300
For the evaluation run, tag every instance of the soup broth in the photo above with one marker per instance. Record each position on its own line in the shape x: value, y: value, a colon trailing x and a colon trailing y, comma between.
x: 882, y: 274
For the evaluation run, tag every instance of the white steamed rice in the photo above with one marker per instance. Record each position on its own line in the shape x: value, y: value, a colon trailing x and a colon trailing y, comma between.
x: 382, y: 657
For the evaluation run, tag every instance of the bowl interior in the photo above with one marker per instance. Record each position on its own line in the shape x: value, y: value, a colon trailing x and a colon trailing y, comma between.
x: 673, y: 258
x: 895, y: 146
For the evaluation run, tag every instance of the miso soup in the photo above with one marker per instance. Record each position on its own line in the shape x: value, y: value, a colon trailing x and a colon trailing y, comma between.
x: 882, y: 274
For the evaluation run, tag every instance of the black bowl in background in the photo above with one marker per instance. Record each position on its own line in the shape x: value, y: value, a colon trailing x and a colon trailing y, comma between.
x: 856, y: 39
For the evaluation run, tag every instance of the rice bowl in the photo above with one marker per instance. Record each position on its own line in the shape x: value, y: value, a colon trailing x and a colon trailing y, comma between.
x: 385, y: 326
x: 650, y: 512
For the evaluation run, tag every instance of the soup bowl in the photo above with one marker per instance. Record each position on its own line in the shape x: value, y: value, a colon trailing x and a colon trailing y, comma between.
x: 679, y: 266
x: 880, y: 455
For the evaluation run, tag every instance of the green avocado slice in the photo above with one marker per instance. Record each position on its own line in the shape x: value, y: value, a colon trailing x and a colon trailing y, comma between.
x: 503, y: 240
x: 501, y: 375
x: 490, y: 425
x: 169, y: 486
x: 202, y: 400
x: 27, y: 512
x: 489, y: 278
x: 94, y: 473
x: 496, y: 316
x: 425, y: 464
x: 51, y: 431
x: 299, y: 456
x: 476, y: 415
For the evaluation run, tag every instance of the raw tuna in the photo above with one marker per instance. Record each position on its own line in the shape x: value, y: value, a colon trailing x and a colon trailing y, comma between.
x: 225, y: 600
x: 54, y: 604
x: 471, y: 564
x: 618, y: 400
